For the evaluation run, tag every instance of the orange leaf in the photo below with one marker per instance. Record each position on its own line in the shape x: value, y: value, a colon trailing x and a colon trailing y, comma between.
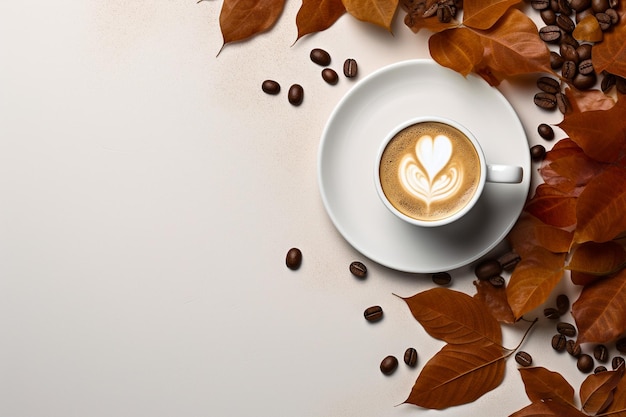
x: 600, y: 208
x: 596, y: 391
x: 618, y: 407
x: 482, y: 14
x: 598, y: 258
x: 378, y: 12
x: 533, y: 279
x: 582, y: 278
x: 588, y: 30
x: 530, y: 232
x: 586, y: 100
x: 600, y: 311
x: 454, y: 317
x: 458, y: 49
x: 610, y: 54
x: 318, y: 15
x: 243, y: 19
x: 542, y: 384
x: 495, y: 299
x: 458, y: 374
x: 552, y: 206
x: 548, y: 409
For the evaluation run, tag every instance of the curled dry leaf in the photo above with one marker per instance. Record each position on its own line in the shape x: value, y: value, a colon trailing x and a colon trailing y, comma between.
x: 483, y: 14
x: 617, y: 408
x: 318, y: 15
x: 553, y: 206
x: 600, y: 310
x: 378, y: 12
x: 596, y: 391
x: 589, y: 100
x: 610, y: 54
x: 459, y: 49
x: 243, y: 19
x: 598, y: 258
x: 588, y: 30
x: 529, y: 232
x: 542, y: 384
x: 549, y: 409
x: 495, y: 300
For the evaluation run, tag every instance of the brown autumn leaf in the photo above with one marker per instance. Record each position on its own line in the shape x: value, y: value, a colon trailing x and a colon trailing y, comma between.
x: 495, y: 299
x: 459, y: 49
x: 542, y: 384
x: 587, y: 100
x: 610, y: 54
x: 600, y: 310
x: 588, y: 30
x: 458, y: 374
x: 600, y: 133
x: 318, y: 15
x: 482, y: 14
x: 529, y: 232
x: 243, y: 19
x: 553, y: 206
x: 598, y: 258
x: 454, y: 317
x: 378, y: 12
x: 548, y: 409
x: 582, y: 278
x: 533, y: 279
x: 600, y: 208
x: 596, y: 391
x: 617, y: 408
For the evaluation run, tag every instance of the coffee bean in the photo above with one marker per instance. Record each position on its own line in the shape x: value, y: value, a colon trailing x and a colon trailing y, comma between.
x: 497, y: 281
x: 583, y: 14
x: 584, y: 51
x: 545, y: 131
x: 545, y: 100
x: 410, y: 357
x: 562, y: 303
x: 270, y: 87
x: 350, y: 68
x: 294, y: 258
x: 565, y: 23
x: 441, y: 278
x: 564, y: 7
x: 358, y: 269
x: 599, y: 369
x: 585, y: 81
x: 509, y: 261
x: 567, y: 38
x: 604, y: 20
x: 601, y: 353
x: 389, y: 365
x: 608, y: 81
x: 617, y: 362
x: 584, y: 363
x: 599, y: 6
x: 548, y: 16
x: 540, y: 4
x: 551, y: 313
x: 562, y: 103
x: 612, y: 13
x: 523, y: 358
x: 487, y: 269
x: 620, y: 345
x: 295, y: 94
x: 573, y: 348
x: 585, y: 67
x: 537, y: 152
x: 558, y: 342
x: 320, y: 57
x: 330, y: 76
x: 566, y: 329
x: 568, y: 52
x: 579, y: 5
x: 373, y: 313
x: 556, y: 60
x: 569, y: 70
x: 550, y: 33
x: 549, y: 85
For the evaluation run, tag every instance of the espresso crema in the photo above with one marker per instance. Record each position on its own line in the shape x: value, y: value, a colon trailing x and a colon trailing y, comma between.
x: 429, y: 171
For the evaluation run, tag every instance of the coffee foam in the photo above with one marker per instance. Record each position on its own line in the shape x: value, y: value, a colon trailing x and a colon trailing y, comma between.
x: 429, y: 171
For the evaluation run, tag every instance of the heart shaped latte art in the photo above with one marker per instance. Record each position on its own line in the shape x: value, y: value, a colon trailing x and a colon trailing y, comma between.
x: 427, y: 174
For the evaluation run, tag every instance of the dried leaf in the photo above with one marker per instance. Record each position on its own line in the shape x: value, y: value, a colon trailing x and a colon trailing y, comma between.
x: 495, y: 299
x: 618, y: 407
x: 552, y: 206
x: 454, y: 317
x: 458, y: 49
x: 598, y: 258
x: 542, y: 384
x: 596, y: 391
x: 378, y: 12
x: 587, y: 100
x: 600, y: 208
x: 318, y: 15
x: 610, y: 54
x: 483, y: 14
x: 458, y: 374
x: 533, y: 280
x: 243, y: 19
x: 548, y: 409
x: 529, y: 232
x: 588, y: 30
x: 582, y: 278
x: 600, y: 311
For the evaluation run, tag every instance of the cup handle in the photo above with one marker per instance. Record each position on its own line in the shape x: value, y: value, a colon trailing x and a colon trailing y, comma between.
x: 505, y: 174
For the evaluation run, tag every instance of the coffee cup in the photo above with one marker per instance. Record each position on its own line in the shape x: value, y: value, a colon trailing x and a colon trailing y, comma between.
x: 430, y: 171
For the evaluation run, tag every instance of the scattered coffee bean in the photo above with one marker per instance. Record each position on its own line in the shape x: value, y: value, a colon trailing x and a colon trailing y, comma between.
x: 569, y: 69
x: 410, y: 357
x: 373, y: 313
x: 564, y: 7
x: 358, y: 269
x: 270, y: 87
x: 295, y: 94
x: 556, y: 60
x: 562, y: 303
x: 330, y: 76
x: 294, y: 258
x: 550, y: 33
x: 548, y: 16
x: 617, y: 362
x: 613, y: 15
x: 563, y: 104
x: 545, y: 131
x: 540, y: 4
x: 551, y: 313
x: 523, y: 358
x: 442, y: 278
x: 487, y: 269
x: 599, y: 6
x: 585, y: 67
x: 509, y: 261
x: 350, y: 68
x: 601, y: 353
x: 604, y: 20
x: 320, y: 57
x: 565, y: 23
x: 558, y: 342
x: 599, y: 369
x: 389, y: 365
x: 569, y: 53
x: 620, y: 345
x: 545, y: 100
x: 585, y: 363
x: 497, y: 281
x: 584, y: 51
x: 549, y: 85
x: 585, y: 81
x: 579, y: 5
x: 568, y: 39
x: 537, y: 152
x: 573, y: 348
x: 566, y: 329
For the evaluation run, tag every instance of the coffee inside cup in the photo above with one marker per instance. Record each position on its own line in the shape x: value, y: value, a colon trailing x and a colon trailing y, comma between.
x: 430, y: 171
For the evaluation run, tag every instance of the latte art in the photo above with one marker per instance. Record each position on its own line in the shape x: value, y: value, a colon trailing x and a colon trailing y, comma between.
x: 429, y: 171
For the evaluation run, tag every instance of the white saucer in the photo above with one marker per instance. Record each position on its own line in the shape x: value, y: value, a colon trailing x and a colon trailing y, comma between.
x: 350, y: 142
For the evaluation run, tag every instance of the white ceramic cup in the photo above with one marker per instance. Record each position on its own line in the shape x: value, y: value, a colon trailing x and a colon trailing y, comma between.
x: 488, y: 173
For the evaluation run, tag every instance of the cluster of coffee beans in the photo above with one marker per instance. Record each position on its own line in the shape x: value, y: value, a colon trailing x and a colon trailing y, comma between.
x: 295, y: 95
x: 389, y: 364
x: 491, y: 269
x: 442, y: 10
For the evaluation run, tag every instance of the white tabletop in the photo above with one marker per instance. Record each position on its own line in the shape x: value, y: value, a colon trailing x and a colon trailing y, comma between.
x: 149, y: 193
